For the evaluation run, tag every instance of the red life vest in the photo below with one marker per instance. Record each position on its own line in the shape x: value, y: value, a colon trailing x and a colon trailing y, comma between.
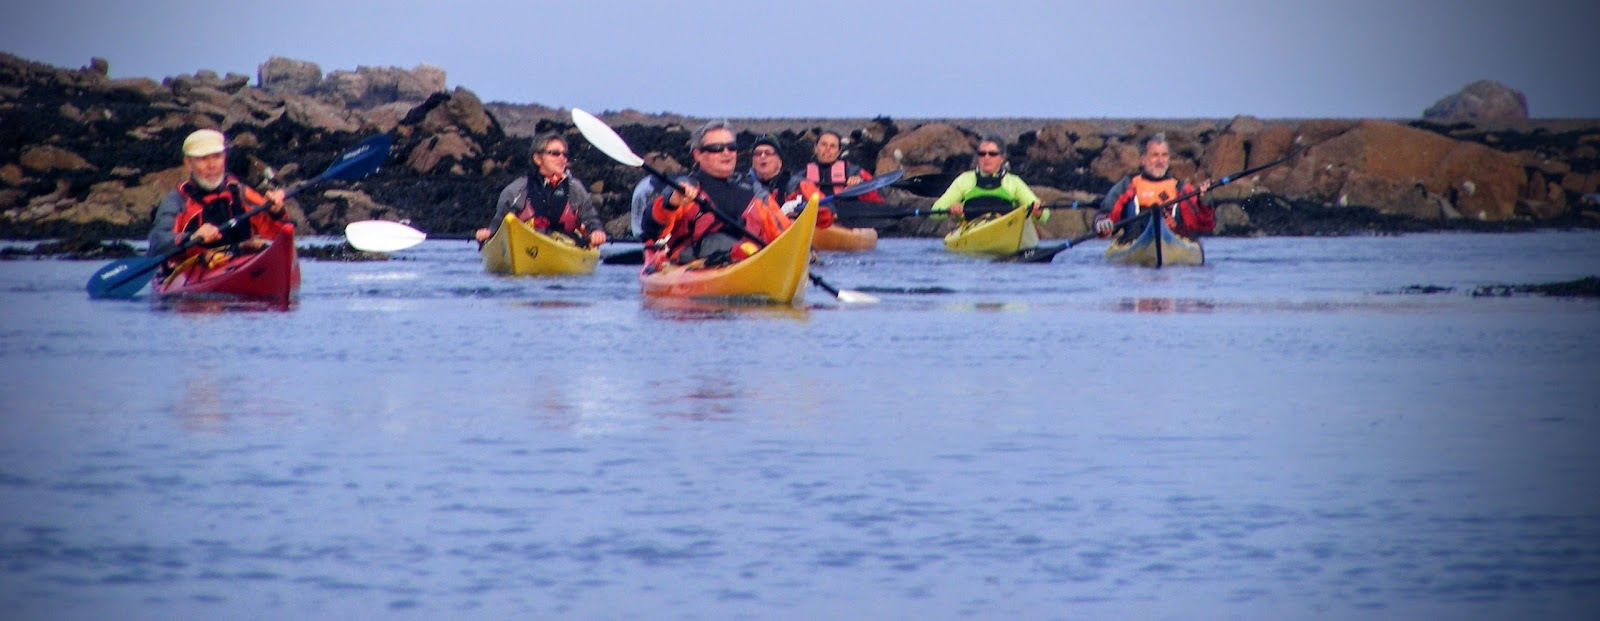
x: 568, y: 218
x: 216, y: 207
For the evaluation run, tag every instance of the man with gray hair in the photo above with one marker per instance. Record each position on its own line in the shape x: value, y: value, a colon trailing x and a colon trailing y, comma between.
x: 206, y: 200
x: 1152, y: 186
x: 686, y: 221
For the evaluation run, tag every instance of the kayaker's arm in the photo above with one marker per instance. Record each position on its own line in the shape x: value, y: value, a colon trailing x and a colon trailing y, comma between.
x: 510, y: 197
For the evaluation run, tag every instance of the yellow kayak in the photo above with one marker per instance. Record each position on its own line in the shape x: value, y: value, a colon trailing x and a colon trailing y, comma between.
x: 838, y: 238
x: 994, y: 237
x: 519, y: 250
x: 775, y: 274
x: 1156, y: 246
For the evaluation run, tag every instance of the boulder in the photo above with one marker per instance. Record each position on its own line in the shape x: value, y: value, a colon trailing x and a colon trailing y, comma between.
x: 444, y: 146
x: 281, y: 75
x: 931, y: 144
x: 1484, y: 100
x: 1117, y: 160
x: 49, y: 158
x: 312, y: 113
x: 1481, y: 182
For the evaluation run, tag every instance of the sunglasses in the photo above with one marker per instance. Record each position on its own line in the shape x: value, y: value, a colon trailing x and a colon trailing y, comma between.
x: 989, y: 153
x: 556, y: 153
x: 719, y: 147
x: 763, y: 153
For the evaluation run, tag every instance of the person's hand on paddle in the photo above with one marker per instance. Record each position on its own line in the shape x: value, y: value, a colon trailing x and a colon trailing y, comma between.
x: 276, y: 197
x: 596, y: 238
x: 688, y: 195
x: 482, y: 235
x: 955, y: 210
x: 207, y: 233
x: 853, y: 180
x: 1103, y: 226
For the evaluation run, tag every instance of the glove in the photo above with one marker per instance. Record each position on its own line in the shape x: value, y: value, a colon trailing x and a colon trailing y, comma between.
x: 1102, y: 226
x: 792, y: 207
x: 824, y: 217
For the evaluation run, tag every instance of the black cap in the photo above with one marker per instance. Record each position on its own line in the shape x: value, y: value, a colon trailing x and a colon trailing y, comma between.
x: 766, y: 139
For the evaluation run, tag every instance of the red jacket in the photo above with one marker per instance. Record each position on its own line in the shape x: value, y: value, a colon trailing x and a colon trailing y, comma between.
x: 1188, y: 217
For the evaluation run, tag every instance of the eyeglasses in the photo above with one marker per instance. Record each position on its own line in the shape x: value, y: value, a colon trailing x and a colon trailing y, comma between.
x: 763, y: 153
x: 556, y: 153
x: 989, y: 153
x: 719, y: 147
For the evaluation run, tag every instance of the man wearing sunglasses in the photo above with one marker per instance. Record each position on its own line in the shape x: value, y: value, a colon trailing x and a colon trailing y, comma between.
x: 549, y: 198
x: 684, y: 220
x: 989, y: 188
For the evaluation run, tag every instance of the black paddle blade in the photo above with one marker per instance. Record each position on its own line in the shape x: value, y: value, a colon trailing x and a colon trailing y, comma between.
x: 1036, y: 254
x: 626, y: 257
x: 930, y: 184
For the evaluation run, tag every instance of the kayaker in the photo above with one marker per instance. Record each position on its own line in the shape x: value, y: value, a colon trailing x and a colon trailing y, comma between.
x: 689, y: 231
x: 1154, y: 185
x: 989, y: 184
x: 643, y: 192
x: 766, y: 171
x: 207, y: 199
x: 558, y: 202
x: 832, y: 174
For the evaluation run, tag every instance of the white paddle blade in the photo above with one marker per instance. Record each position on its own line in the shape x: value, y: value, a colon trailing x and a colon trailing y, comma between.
x: 856, y: 297
x: 382, y: 236
x: 605, y: 139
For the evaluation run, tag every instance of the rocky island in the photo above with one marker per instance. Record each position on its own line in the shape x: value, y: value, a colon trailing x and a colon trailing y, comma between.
x: 83, y: 155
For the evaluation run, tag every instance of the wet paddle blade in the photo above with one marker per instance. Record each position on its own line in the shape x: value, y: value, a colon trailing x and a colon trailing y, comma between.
x: 930, y: 184
x: 625, y: 257
x: 382, y: 236
x: 122, y: 279
x: 605, y: 139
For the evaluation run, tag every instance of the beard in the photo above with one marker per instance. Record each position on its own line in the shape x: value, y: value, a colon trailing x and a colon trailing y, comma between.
x: 209, y: 184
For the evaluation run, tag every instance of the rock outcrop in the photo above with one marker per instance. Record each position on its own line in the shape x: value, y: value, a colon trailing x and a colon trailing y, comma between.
x: 1484, y: 100
x: 82, y: 154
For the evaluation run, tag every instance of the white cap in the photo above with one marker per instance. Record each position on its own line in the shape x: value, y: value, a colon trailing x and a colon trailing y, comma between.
x: 203, y: 142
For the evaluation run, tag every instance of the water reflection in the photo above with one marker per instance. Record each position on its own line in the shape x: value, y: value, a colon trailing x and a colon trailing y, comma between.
x: 207, y: 304
x: 680, y: 309
x: 1165, y: 305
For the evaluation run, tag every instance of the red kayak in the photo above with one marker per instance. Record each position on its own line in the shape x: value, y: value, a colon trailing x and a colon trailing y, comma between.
x: 271, y: 274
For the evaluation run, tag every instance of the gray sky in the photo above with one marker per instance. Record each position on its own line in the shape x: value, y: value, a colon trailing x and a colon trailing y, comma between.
x: 993, y: 58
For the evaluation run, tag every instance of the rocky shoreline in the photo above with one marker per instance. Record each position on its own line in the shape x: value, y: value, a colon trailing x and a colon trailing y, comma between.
x: 83, y: 156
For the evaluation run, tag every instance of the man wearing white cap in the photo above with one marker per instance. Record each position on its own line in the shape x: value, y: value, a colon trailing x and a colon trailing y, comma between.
x: 199, y: 206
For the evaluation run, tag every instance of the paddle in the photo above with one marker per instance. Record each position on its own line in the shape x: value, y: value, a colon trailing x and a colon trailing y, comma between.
x: 928, y: 184
x: 124, y: 278
x: 382, y: 235
x: 1043, y: 254
x: 636, y: 256
x: 608, y: 142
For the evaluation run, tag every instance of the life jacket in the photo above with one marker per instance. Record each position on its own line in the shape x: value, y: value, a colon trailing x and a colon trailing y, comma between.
x: 690, y: 224
x: 837, y: 176
x: 216, y: 207
x: 544, y: 203
x: 1187, y: 217
x: 988, y: 193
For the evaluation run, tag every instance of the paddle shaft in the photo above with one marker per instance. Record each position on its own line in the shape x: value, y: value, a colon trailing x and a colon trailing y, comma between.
x: 1042, y: 254
x: 192, y: 240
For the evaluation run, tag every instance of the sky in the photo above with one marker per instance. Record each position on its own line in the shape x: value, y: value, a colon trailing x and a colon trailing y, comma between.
x: 840, y: 58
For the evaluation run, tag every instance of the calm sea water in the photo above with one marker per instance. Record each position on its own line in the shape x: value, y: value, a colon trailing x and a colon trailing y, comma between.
x: 1279, y: 434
